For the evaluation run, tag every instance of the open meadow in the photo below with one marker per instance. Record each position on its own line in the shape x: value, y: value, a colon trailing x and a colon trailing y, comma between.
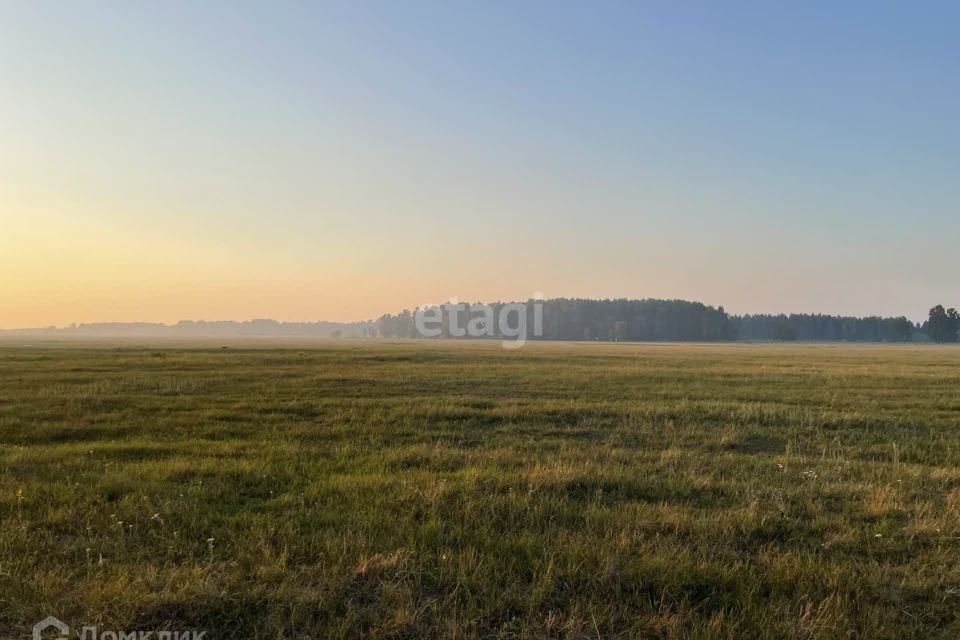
x: 338, y: 489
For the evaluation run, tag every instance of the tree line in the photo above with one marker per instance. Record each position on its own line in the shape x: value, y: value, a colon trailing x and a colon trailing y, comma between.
x: 684, y: 321
x: 943, y: 325
x: 825, y: 328
x: 580, y: 319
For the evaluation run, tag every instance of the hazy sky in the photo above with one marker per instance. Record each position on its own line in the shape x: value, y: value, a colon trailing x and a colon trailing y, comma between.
x: 169, y: 160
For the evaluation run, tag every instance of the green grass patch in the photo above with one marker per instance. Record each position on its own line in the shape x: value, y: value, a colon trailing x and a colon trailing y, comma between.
x: 444, y: 490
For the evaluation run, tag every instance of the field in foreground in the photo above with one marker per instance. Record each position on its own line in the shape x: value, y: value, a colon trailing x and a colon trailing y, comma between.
x: 447, y: 490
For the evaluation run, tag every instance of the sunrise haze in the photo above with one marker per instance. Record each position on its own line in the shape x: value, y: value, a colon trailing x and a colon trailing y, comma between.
x: 339, y: 161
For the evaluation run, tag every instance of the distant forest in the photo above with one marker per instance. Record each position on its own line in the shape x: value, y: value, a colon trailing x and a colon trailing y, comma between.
x: 684, y: 321
x: 574, y: 319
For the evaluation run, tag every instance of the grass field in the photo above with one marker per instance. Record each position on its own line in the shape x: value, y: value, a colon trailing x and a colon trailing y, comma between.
x: 459, y: 490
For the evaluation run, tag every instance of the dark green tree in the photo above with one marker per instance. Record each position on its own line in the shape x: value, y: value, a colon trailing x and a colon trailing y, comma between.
x: 942, y: 325
x: 902, y: 329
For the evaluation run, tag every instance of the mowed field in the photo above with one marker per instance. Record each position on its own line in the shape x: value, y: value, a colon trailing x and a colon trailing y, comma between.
x: 340, y: 489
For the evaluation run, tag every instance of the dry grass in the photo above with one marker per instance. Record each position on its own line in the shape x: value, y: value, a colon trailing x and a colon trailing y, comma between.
x: 458, y: 490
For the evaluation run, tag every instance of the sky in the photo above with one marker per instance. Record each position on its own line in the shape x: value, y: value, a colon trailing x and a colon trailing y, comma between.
x: 162, y: 161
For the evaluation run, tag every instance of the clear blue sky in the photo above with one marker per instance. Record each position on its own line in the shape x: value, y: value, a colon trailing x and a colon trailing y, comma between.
x: 304, y: 160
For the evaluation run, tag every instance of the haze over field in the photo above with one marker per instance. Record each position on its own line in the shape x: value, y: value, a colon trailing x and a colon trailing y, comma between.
x: 337, y: 161
x: 380, y: 320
